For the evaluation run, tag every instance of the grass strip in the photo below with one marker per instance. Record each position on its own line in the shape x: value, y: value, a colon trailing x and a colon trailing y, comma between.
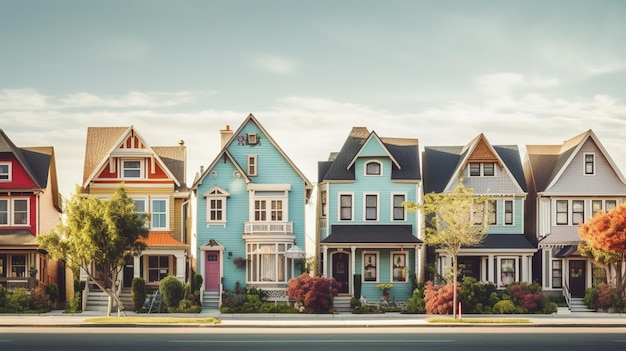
x: 479, y: 320
x: 153, y: 320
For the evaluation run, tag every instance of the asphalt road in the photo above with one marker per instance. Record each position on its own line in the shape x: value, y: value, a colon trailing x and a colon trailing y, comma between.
x: 303, y: 339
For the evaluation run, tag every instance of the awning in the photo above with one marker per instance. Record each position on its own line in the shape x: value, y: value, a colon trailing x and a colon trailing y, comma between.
x: 568, y: 251
x: 162, y: 240
x: 560, y: 239
x: 372, y: 234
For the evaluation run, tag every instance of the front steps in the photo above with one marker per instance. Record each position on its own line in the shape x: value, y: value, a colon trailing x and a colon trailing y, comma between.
x: 342, y: 303
x: 211, y: 300
x: 578, y: 305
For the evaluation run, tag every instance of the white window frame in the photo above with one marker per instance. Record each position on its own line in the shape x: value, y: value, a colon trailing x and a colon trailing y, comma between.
x: 488, y: 203
x: 515, y: 269
x: 123, y: 169
x: 572, y: 212
x: 366, y: 255
x: 592, y: 163
x: 145, y: 206
x: 268, y: 197
x: 252, y: 165
x: 158, y: 268
x: 260, y: 254
x: 504, y: 212
x: 323, y: 203
x: 7, y: 213
x: 339, y: 219
x: 166, y: 213
x: 12, y: 211
x: 393, y: 208
x: 365, y: 207
x: 216, y: 193
x: 380, y: 169
x: 481, y: 169
x: 556, y: 213
x: 252, y: 138
x: 6, y: 177
x: 399, y: 273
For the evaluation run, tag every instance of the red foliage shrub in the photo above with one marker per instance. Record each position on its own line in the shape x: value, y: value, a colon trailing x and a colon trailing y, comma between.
x: 439, y: 299
x: 608, y: 298
x: 315, y: 293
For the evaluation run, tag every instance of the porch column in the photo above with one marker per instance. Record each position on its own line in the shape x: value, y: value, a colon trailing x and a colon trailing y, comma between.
x: 137, y: 267
x: 490, y: 270
x: 352, y: 269
x: 418, y: 261
x: 483, y: 268
x: 526, y: 260
x: 325, y: 265
x: 180, y: 266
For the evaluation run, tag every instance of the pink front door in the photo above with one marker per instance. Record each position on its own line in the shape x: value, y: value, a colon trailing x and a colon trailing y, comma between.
x: 212, y: 271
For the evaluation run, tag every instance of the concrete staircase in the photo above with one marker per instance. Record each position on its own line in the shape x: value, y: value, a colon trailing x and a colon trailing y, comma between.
x: 211, y: 300
x: 97, y: 300
x: 126, y: 296
x: 578, y: 305
x: 342, y: 303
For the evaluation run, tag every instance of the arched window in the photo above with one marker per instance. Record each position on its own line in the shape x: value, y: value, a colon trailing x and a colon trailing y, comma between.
x: 372, y: 168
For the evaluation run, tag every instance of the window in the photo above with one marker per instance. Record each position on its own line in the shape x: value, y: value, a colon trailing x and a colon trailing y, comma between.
x: 158, y: 268
x: 372, y: 168
x: 252, y: 138
x: 131, y: 169
x: 578, y: 211
x: 596, y: 206
x: 345, y: 207
x: 561, y: 212
x: 260, y: 210
x: 274, y: 211
x: 216, y: 205
x: 508, y: 212
x: 4, y: 212
x: 557, y: 274
x: 371, y: 207
x: 399, y: 214
x: 610, y: 204
x: 478, y: 212
x: 370, y: 267
x: 252, y: 165
x: 20, y: 211
x: 5, y: 171
x: 323, y: 201
x: 492, y: 212
x: 399, y: 271
x: 216, y: 210
x: 140, y: 206
x: 159, y: 213
x: 590, y: 164
x: 18, y: 265
x: 267, y: 263
x: 477, y: 169
x: 507, y: 269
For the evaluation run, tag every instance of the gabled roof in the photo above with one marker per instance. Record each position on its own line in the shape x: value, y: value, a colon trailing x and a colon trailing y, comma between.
x: 103, y: 141
x: 443, y: 165
x: 403, y: 152
x: 38, y: 162
x: 223, y: 155
x: 548, y: 162
x: 224, y: 151
x: 156, y: 239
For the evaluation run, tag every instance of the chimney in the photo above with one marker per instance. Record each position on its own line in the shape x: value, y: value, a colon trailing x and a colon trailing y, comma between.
x: 226, y: 134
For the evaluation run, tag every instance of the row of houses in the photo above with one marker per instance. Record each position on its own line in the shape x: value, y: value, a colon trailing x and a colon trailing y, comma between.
x: 241, y: 221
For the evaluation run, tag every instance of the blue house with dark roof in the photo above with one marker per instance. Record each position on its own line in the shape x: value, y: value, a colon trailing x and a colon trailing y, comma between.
x: 493, y: 171
x: 364, y: 233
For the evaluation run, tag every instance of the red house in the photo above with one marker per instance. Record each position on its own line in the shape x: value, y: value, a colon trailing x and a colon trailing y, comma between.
x: 30, y: 204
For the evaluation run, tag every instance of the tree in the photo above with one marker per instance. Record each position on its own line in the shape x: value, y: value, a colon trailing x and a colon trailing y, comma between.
x: 604, y: 238
x: 451, y: 223
x: 96, y: 237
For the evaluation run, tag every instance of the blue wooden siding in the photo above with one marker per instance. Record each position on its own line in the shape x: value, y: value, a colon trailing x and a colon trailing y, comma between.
x: 518, y: 217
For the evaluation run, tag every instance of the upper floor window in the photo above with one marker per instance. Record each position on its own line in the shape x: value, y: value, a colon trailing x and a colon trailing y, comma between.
x: 373, y: 168
x: 4, y: 212
x: 485, y: 169
x: 5, y: 171
x: 252, y: 138
x: 371, y: 207
x: 140, y: 206
x: 590, y: 164
x: 345, y: 207
x: 268, y: 210
x: 252, y: 165
x: 508, y: 212
x: 216, y: 205
x: 492, y: 212
x: 323, y: 202
x: 609, y: 205
x: 561, y: 212
x: 14, y: 212
x: 578, y: 211
x: 399, y: 213
x: 159, y: 213
x: 131, y: 169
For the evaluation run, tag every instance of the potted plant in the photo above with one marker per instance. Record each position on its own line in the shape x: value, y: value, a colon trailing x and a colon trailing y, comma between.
x: 239, y: 262
x: 385, y: 287
x: 32, y: 271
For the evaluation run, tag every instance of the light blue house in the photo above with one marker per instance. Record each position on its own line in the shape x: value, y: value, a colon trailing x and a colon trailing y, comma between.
x: 493, y: 171
x: 365, y: 235
x: 249, y: 215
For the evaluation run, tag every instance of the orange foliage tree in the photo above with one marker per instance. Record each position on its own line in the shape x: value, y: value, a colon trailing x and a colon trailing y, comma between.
x: 604, y: 238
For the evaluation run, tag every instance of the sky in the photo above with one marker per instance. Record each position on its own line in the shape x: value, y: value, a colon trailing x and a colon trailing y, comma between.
x: 521, y: 72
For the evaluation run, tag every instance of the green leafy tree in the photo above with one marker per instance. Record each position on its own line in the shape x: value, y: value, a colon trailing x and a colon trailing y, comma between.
x: 96, y: 237
x: 451, y: 223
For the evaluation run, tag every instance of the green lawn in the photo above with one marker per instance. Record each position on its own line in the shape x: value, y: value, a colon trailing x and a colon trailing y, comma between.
x: 478, y: 320
x: 153, y: 320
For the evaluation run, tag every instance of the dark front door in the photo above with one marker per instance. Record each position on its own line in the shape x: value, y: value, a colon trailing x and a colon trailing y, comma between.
x: 129, y: 271
x: 341, y: 271
x: 469, y: 267
x: 577, y: 278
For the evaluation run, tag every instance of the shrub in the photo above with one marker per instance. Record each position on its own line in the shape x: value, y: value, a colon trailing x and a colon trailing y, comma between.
x: 315, y: 293
x: 439, y: 298
x: 172, y: 291
x: 185, y: 306
x: 19, y: 300
x: 3, y: 295
x: 505, y: 307
x: 416, y: 303
x: 607, y: 299
x: 138, y: 293
x: 357, y: 282
x: 52, y: 290
x: 76, y: 303
x: 197, y: 282
x: 474, y: 296
x: 39, y: 300
x: 528, y: 297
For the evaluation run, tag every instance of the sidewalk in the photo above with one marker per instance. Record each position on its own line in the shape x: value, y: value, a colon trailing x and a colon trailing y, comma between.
x: 60, y: 319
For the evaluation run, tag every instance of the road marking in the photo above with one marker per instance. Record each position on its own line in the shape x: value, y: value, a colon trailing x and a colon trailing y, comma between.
x: 308, y: 341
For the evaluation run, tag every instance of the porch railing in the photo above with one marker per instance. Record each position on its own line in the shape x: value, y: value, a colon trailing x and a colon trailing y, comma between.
x: 568, y: 295
x: 269, y: 228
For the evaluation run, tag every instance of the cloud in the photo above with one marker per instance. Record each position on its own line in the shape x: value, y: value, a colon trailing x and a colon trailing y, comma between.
x: 274, y: 64
x: 22, y: 99
x: 505, y: 83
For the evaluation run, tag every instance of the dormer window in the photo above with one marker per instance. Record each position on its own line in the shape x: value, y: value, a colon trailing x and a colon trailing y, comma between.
x: 131, y: 169
x: 5, y: 171
x: 373, y: 168
x: 482, y: 169
x: 252, y: 138
x: 590, y: 164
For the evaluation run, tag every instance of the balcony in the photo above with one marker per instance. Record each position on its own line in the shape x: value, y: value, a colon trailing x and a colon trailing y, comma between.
x: 261, y: 228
